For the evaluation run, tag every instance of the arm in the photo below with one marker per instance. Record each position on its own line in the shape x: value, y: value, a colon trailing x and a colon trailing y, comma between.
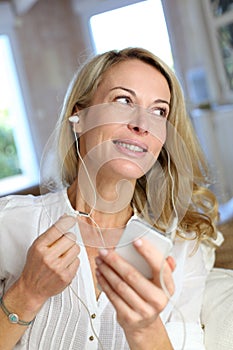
x: 137, y: 300
x: 50, y: 267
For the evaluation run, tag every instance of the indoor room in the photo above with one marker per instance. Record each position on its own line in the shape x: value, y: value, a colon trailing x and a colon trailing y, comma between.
x: 44, y: 42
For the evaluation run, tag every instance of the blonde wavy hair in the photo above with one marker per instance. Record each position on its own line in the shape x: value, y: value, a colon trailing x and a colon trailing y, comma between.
x: 198, y: 210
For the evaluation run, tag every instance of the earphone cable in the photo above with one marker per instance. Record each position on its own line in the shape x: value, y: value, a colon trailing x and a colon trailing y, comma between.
x: 89, y: 314
x: 161, y: 275
x: 88, y: 175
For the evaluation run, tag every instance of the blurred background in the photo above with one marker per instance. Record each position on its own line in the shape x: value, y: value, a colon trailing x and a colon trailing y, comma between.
x: 42, y: 43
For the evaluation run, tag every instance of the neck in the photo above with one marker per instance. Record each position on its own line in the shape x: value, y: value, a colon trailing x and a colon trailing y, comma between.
x: 109, y: 210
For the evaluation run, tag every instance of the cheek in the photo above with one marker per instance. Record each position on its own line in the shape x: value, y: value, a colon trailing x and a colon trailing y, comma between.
x: 96, y: 144
x: 156, y: 146
x: 89, y: 140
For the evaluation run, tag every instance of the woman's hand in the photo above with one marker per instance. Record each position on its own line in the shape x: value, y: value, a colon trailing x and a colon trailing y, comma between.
x: 137, y: 300
x: 52, y: 262
x: 51, y: 265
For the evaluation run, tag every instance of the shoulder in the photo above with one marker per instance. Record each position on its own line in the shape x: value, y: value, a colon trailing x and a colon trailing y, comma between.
x: 194, y: 255
x: 17, y: 207
x: 14, y: 209
x: 28, y: 201
x: 22, y: 217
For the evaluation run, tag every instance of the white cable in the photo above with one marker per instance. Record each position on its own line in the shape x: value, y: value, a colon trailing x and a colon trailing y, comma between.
x: 100, y: 233
x: 93, y: 189
x: 172, y: 232
x: 88, y: 176
x: 173, y: 183
x: 161, y: 277
x: 89, y: 314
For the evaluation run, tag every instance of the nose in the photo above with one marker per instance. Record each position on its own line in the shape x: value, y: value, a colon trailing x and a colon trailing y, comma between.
x: 139, y: 124
x: 137, y: 130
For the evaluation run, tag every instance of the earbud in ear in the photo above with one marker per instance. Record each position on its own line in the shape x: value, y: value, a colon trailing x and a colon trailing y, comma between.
x: 74, y: 119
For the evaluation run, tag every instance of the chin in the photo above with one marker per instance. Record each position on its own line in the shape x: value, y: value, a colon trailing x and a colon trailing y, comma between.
x: 129, y: 170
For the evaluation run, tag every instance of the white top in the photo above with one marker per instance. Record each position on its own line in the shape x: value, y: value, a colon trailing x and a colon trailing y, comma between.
x: 63, y: 323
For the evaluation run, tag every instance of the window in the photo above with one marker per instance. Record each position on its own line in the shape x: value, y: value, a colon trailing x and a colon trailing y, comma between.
x: 219, y: 14
x: 225, y: 37
x: 140, y: 24
x: 18, y: 166
x: 219, y: 7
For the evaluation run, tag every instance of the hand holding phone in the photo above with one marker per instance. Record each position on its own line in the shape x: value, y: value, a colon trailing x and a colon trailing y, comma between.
x: 134, y: 230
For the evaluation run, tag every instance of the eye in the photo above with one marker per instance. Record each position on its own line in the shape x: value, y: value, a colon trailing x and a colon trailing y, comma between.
x: 160, y: 111
x: 126, y: 100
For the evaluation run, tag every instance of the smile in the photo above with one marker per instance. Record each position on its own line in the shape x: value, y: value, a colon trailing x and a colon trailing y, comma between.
x: 130, y: 146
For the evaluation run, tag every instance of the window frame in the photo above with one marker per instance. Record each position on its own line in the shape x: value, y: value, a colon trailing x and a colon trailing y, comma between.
x: 30, y: 172
x: 213, y: 23
x: 144, y: 40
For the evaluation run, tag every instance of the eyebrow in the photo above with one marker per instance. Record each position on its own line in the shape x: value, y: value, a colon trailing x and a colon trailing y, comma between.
x: 159, y: 100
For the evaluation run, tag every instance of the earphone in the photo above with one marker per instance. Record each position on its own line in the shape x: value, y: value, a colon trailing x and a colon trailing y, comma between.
x: 74, y: 119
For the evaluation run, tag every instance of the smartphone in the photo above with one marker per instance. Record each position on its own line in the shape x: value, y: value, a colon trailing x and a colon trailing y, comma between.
x: 134, y: 230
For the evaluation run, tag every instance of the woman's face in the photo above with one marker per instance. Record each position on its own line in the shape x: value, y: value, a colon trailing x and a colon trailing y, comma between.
x: 123, y: 142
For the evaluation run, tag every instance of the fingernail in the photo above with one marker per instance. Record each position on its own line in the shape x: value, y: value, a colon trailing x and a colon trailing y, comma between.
x: 103, y: 252
x: 138, y: 243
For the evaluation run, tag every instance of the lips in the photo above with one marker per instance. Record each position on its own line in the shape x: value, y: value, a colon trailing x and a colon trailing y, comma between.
x: 131, y: 145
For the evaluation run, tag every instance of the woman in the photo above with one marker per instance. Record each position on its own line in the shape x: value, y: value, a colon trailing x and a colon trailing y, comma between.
x: 126, y: 148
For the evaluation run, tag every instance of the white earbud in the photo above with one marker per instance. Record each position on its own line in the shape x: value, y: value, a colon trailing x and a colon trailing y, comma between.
x: 74, y: 119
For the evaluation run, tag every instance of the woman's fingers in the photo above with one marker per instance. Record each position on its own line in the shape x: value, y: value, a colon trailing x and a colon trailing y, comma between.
x: 129, y: 314
x: 162, y: 266
x: 161, y: 270
x: 56, y: 240
x: 52, y: 260
x: 70, y: 255
x: 59, y: 228
x: 171, y: 262
x: 120, y: 287
x: 147, y: 290
x: 62, y: 245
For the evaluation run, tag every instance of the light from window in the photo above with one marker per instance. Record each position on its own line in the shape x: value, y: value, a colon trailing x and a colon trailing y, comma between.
x: 141, y: 24
x: 18, y: 166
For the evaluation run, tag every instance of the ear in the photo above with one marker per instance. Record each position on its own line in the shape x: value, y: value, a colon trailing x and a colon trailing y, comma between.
x: 75, y: 120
